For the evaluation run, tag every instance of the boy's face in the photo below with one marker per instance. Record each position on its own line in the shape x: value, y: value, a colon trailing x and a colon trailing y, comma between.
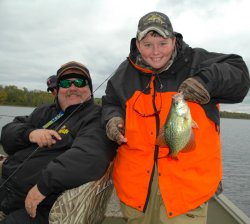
x: 156, y: 50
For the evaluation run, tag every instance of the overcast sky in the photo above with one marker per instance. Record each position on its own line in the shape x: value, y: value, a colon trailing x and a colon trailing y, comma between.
x: 38, y: 36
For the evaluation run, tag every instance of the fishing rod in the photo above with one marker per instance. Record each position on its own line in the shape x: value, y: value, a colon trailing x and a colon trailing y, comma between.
x: 56, y: 129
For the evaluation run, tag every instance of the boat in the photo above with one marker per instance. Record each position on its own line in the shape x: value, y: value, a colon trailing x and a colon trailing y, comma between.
x: 220, y: 211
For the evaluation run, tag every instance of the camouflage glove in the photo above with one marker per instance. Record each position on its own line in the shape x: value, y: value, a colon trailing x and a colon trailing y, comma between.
x: 194, y: 91
x: 115, y: 129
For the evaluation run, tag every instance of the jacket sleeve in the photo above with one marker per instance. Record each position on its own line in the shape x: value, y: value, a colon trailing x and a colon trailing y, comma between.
x: 111, y: 105
x: 225, y: 76
x: 15, y: 135
x: 86, y: 160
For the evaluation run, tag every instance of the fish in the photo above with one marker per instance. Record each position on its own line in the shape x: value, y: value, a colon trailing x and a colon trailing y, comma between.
x: 177, y: 131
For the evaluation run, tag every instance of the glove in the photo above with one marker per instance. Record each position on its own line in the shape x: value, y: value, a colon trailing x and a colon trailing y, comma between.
x: 115, y: 129
x: 194, y: 91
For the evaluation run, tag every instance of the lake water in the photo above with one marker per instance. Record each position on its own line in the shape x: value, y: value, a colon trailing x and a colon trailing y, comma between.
x: 235, y: 137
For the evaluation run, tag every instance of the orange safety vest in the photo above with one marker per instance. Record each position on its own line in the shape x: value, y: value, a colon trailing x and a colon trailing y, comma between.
x: 185, y: 183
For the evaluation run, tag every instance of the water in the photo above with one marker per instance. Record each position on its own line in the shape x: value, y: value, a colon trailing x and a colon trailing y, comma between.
x: 235, y: 137
x: 7, y: 113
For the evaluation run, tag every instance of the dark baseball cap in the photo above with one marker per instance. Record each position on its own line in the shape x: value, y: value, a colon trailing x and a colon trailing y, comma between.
x: 51, y: 83
x: 154, y: 21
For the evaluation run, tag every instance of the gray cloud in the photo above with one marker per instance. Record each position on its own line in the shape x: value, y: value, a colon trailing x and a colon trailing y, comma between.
x: 37, y: 36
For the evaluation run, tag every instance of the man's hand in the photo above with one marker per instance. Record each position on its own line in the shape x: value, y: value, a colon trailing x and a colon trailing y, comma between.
x: 33, y: 199
x: 194, y: 91
x: 115, y: 130
x: 44, y: 137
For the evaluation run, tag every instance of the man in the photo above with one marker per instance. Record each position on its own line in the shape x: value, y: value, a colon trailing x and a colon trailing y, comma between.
x: 153, y: 187
x: 52, y: 85
x: 55, y: 148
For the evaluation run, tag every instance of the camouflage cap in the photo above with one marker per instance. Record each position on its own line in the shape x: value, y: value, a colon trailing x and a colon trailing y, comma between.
x: 154, y: 21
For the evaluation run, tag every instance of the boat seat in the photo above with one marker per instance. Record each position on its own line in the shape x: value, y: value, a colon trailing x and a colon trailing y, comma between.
x: 2, y: 158
x: 84, y: 204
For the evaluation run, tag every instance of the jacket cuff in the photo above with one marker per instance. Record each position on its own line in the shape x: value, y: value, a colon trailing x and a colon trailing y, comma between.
x: 43, y: 188
x: 26, y: 134
x: 204, y: 82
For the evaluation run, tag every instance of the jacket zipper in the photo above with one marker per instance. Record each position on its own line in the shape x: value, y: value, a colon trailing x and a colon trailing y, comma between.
x: 156, y: 152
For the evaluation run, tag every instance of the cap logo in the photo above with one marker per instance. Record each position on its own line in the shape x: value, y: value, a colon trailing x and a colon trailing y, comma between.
x: 154, y: 19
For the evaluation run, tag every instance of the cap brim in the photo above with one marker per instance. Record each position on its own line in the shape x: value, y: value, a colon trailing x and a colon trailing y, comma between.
x: 143, y: 33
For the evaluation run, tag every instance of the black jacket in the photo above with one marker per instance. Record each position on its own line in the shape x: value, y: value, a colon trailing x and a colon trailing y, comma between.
x: 81, y: 156
x: 225, y: 76
x: 142, y: 97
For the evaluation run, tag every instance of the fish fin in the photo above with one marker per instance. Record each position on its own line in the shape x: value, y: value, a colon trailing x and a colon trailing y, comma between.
x: 160, y: 140
x: 194, y: 124
x: 190, y: 146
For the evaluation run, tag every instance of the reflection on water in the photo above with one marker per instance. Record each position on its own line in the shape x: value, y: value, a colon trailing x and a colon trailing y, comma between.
x: 235, y: 136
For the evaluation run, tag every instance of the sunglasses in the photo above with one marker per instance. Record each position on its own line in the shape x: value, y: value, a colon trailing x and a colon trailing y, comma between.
x: 79, y: 83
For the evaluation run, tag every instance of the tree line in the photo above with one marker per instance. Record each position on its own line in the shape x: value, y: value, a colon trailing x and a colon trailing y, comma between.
x: 11, y: 95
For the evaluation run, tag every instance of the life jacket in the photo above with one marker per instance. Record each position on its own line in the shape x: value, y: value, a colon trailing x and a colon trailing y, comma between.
x: 185, y: 183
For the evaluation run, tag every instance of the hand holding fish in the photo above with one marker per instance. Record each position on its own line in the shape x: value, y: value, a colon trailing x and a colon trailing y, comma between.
x: 115, y: 130
x: 194, y: 91
x: 44, y: 137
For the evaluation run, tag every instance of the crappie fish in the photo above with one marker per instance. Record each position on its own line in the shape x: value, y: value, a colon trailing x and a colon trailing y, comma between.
x: 177, y: 131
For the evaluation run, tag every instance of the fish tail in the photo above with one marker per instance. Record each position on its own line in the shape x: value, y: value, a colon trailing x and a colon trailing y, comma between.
x: 160, y: 140
x: 173, y: 156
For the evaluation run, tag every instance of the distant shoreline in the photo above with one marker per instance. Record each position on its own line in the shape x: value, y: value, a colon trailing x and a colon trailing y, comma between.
x: 223, y: 114
x: 234, y: 115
